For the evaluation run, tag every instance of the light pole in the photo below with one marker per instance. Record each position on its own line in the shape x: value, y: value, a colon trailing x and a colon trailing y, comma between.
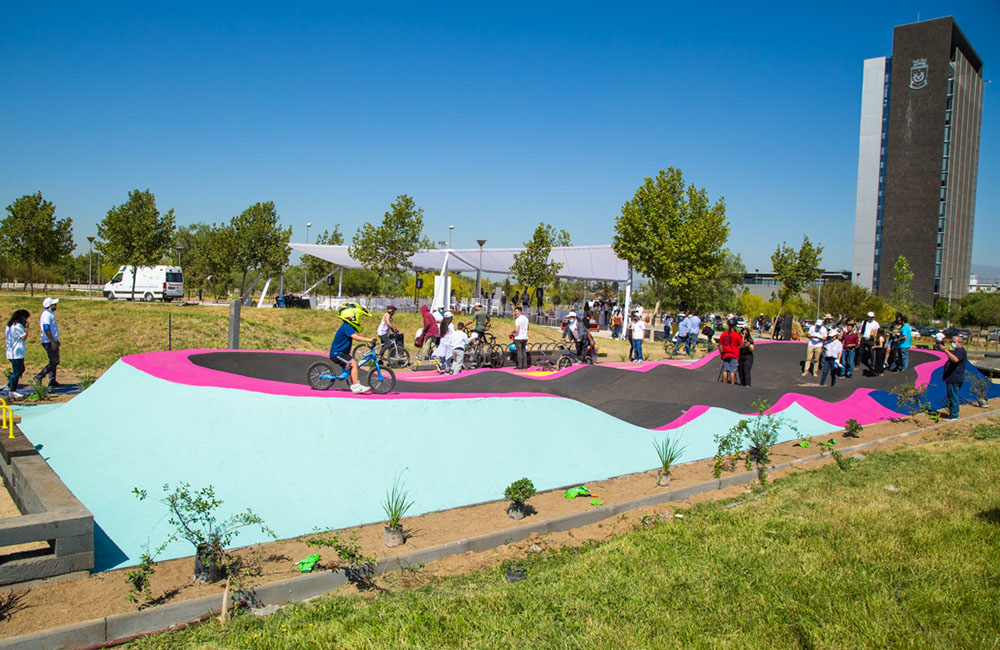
x: 479, y: 271
x: 180, y: 250
x: 305, y: 269
x: 451, y: 229
x: 949, y: 301
x: 90, y: 265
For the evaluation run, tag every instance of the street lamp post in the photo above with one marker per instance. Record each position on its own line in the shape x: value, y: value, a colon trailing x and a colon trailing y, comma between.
x: 180, y: 250
x: 451, y: 229
x: 305, y: 270
x: 479, y: 271
x: 90, y: 266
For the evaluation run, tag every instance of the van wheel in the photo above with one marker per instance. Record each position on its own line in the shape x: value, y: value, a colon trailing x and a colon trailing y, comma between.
x: 148, y: 297
x: 110, y: 295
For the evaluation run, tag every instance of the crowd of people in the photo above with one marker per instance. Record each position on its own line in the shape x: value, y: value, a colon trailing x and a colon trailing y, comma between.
x: 16, y: 337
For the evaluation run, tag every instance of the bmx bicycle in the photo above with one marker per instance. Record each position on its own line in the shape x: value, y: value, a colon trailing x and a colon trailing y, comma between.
x: 392, y: 353
x: 381, y: 379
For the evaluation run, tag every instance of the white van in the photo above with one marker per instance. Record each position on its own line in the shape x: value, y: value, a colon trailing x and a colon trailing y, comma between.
x: 152, y: 283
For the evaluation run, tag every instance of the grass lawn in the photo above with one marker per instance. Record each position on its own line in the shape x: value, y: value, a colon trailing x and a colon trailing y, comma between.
x: 829, y: 559
x: 96, y: 333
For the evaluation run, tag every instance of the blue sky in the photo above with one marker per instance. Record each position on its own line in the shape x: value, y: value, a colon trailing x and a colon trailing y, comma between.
x: 493, y: 118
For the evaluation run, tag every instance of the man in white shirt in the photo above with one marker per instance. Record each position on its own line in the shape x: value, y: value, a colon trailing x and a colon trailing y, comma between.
x: 831, y: 358
x: 50, y: 341
x: 638, y: 334
x: 814, y: 351
x: 694, y: 327
x: 520, y: 336
x: 869, y: 332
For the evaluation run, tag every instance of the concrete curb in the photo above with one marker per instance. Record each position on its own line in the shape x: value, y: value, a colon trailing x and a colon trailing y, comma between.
x: 121, y: 628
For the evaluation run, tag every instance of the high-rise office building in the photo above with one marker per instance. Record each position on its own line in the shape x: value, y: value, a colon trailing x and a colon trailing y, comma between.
x: 918, y: 161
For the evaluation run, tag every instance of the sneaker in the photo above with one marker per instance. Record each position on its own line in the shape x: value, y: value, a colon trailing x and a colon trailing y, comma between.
x: 55, y: 384
x: 358, y: 389
x: 14, y: 395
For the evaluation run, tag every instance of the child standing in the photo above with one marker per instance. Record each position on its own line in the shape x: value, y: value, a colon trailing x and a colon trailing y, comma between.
x: 14, y: 336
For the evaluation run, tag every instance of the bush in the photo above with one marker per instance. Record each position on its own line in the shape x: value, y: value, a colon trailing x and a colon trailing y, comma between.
x: 396, y: 504
x: 519, y: 491
x: 910, y: 398
x: 669, y: 452
x: 853, y: 428
x: 756, y: 436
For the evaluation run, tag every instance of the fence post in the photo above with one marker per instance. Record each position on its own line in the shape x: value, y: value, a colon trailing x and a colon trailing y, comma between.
x: 170, y: 331
x: 234, y: 324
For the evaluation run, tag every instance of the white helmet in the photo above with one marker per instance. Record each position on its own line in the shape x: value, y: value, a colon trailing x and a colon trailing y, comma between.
x: 572, y: 314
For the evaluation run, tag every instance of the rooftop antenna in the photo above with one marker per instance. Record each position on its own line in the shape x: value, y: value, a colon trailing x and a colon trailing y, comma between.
x: 918, y: 13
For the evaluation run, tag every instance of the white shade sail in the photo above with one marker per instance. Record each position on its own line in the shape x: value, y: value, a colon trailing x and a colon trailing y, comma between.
x: 578, y: 262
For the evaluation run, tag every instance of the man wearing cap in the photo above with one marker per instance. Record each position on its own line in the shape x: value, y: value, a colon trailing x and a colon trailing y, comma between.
x: 953, y: 373
x: 831, y: 358
x: 482, y: 322
x: 814, y: 351
x: 869, y: 332
x: 576, y: 332
x: 50, y: 341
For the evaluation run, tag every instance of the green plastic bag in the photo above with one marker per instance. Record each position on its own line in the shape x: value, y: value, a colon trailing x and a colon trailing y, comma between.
x: 306, y: 565
x: 578, y: 491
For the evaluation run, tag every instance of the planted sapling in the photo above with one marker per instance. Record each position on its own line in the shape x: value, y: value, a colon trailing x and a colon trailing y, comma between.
x: 669, y: 452
x: 396, y: 505
x: 518, y: 493
x: 853, y: 428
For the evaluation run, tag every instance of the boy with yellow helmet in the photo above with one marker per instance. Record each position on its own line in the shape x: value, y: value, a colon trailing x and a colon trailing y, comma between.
x: 340, y: 349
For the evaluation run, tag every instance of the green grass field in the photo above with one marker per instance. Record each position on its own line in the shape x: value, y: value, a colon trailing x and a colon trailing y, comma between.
x: 96, y: 333
x: 830, y: 559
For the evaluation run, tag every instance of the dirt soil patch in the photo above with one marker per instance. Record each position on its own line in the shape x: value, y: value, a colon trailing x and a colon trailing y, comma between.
x: 56, y: 602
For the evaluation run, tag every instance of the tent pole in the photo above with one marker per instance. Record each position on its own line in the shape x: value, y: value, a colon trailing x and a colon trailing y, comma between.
x: 628, y: 293
x: 340, y: 283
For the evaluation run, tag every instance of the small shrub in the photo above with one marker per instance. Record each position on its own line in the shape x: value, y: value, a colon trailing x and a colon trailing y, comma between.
x: 139, y: 579
x: 729, y: 447
x: 756, y: 435
x: 396, y: 504
x: 10, y: 603
x: 853, y: 428
x: 358, y: 567
x: 910, y: 398
x: 519, y: 491
x: 87, y: 380
x: 980, y: 387
x: 669, y: 451
x: 40, y: 391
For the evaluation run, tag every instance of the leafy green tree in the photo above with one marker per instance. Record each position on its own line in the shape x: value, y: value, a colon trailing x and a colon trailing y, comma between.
x: 670, y: 233
x: 389, y: 246
x: 980, y: 310
x: 257, y: 241
x: 532, y: 267
x: 902, y: 297
x: 796, y: 269
x: 206, y: 257
x: 844, y: 300
x: 135, y: 233
x: 719, y: 291
x: 31, y: 234
x: 317, y: 267
x: 921, y: 313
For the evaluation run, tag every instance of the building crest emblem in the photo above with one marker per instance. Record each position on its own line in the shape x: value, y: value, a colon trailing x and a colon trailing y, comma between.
x: 918, y: 74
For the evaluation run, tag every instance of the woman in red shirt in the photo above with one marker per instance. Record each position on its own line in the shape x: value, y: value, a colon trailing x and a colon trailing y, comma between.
x: 851, y: 342
x: 729, y: 349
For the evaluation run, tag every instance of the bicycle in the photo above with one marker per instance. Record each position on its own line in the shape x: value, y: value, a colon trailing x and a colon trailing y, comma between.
x: 322, y: 374
x: 392, y: 353
x: 570, y: 357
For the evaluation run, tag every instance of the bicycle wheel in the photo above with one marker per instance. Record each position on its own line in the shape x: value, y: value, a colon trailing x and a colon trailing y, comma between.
x: 315, y: 375
x: 360, y: 350
x: 564, y: 362
x: 474, y: 359
x: 499, y: 355
x: 385, y: 383
x: 395, y: 356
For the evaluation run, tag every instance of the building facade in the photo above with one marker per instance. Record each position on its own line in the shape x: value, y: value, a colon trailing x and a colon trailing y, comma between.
x: 918, y: 161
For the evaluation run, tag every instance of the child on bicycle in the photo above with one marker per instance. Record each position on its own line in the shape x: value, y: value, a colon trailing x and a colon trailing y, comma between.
x: 340, y: 349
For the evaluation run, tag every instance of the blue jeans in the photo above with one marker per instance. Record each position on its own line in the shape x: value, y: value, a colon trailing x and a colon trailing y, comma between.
x: 17, y: 369
x: 848, y: 361
x: 828, y: 368
x: 637, y: 349
x: 953, y: 399
x: 681, y: 340
x: 904, y: 358
x: 692, y: 339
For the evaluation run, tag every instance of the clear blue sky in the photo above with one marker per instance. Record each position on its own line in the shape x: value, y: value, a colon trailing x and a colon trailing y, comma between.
x: 492, y: 118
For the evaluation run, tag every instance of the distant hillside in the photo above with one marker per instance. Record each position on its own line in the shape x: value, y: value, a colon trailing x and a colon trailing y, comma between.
x: 985, y: 272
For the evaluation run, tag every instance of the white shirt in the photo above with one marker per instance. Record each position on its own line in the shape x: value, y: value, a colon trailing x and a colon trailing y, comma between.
x: 833, y: 349
x: 574, y: 329
x: 15, y: 344
x: 521, y: 324
x: 869, y: 329
x: 459, y: 340
x: 817, y: 334
x: 383, y: 327
x: 638, y: 329
x: 48, y: 318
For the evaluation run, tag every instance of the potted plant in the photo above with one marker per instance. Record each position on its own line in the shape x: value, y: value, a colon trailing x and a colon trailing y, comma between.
x: 518, y: 493
x: 194, y: 517
x: 981, y: 389
x: 669, y: 452
x: 395, y: 506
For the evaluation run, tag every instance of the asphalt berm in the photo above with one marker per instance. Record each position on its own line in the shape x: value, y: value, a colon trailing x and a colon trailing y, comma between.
x: 649, y: 399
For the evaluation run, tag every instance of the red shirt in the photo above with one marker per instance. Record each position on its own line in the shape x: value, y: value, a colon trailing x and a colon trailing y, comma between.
x: 729, y: 344
x: 850, y: 340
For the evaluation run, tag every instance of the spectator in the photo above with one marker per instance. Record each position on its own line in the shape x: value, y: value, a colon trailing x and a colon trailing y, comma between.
x: 869, y: 332
x: 831, y: 358
x: 50, y: 341
x: 694, y: 324
x: 482, y: 321
x: 709, y: 332
x: 520, y: 336
x: 746, y: 357
x: 878, y: 354
x: 668, y: 327
x: 15, y: 337
x: 616, y: 324
x: 576, y: 332
x: 445, y: 348
x: 459, y: 340
x: 954, y: 373
x: 814, y: 351
x: 525, y: 301
x: 503, y: 302
x: 850, y: 341
x: 682, y: 332
x: 729, y: 349
x: 428, y: 333
x: 903, y: 341
x: 638, y: 333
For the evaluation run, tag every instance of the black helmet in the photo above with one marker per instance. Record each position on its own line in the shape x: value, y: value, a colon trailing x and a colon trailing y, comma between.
x: 733, y: 322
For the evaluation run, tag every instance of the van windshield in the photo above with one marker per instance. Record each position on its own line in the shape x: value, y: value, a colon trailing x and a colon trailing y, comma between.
x: 175, y: 277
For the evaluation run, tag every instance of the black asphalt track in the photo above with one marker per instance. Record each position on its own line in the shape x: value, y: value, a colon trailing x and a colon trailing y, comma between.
x: 647, y: 399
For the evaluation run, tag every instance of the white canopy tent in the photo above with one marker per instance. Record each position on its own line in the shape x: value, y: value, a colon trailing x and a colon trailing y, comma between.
x: 578, y: 263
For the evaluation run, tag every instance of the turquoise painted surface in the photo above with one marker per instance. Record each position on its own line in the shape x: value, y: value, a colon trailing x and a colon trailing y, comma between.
x: 303, y: 462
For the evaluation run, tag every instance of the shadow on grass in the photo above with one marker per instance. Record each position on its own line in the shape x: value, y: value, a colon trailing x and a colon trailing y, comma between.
x: 991, y: 516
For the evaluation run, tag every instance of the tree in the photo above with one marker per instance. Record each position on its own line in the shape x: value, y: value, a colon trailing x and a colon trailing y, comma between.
x: 671, y: 234
x: 796, y: 269
x: 32, y: 235
x: 206, y: 257
x: 317, y: 267
x: 845, y: 299
x: 257, y: 241
x: 980, y: 309
x: 135, y: 233
x: 532, y: 267
x: 389, y: 246
x: 719, y: 292
x: 902, y: 297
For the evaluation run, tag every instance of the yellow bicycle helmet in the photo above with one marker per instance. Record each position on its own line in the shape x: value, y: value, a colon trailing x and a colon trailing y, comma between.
x: 351, y: 314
